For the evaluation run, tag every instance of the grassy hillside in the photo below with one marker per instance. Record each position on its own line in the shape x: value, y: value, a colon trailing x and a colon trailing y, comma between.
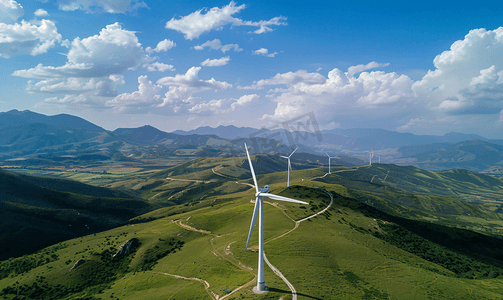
x: 383, y: 236
x: 37, y: 212
x: 351, y: 251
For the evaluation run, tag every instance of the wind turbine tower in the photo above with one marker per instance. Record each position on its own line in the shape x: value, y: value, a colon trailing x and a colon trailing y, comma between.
x: 259, y: 207
x: 371, y: 154
x: 329, y: 162
x: 289, y: 165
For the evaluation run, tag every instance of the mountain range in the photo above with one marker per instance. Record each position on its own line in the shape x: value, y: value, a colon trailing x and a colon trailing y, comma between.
x: 31, y: 138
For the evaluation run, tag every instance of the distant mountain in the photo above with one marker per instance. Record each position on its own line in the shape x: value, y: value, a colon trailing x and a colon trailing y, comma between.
x: 148, y: 135
x: 473, y: 155
x: 356, y: 139
x: 15, y: 118
x: 367, y: 139
x: 227, y: 132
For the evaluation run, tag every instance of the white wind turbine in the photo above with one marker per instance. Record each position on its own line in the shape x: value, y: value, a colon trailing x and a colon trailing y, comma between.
x: 289, y: 165
x: 329, y: 162
x: 259, y: 207
x: 371, y: 154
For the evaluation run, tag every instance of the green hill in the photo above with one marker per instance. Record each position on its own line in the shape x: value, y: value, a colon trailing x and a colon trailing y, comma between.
x: 390, y: 233
x: 352, y: 251
x: 40, y: 211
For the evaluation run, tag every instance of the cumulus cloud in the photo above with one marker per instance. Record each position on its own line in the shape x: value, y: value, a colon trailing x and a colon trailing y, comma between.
x: 264, y: 52
x: 289, y: 79
x: 306, y: 92
x: 182, y: 87
x: 191, y: 79
x: 179, y: 99
x: 27, y: 38
x: 139, y: 101
x: 101, y: 6
x: 468, y: 78
x: 93, y: 69
x: 360, y: 68
x: 244, y: 101
x: 10, y: 11
x: 216, y: 62
x: 221, y: 106
x: 41, y: 13
x: 157, y: 66
x: 164, y: 45
x: 113, y: 51
x: 104, y: 87
x: 216, y: 44
x: 197, y: 23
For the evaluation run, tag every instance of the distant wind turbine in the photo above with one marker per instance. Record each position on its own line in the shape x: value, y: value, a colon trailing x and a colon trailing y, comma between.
x: 259, y: 207
x: 329, y: 162
x: 289, y: 165
x: 371, y: 154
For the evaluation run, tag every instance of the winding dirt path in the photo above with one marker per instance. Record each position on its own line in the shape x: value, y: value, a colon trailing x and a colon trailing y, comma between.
x: 297, y: 223
x: 191, y: 180
x: 230, y: 257
x: 334, y: 172
x: 206, y: 283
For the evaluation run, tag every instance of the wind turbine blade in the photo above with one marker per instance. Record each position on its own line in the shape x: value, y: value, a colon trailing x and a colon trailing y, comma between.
x: 283, y: 156
x: 289, y: 165
x: 281, y: 198
x: 293, y: 151
x: 327, y: 154
x: 252, y: 222
x: 251, y: 169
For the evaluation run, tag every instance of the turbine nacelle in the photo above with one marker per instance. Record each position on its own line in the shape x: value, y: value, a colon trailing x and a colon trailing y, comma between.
x: 265, y: 189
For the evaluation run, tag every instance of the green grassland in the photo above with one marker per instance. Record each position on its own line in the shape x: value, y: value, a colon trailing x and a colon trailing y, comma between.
x: 357, y: 252
x: 384, y: 237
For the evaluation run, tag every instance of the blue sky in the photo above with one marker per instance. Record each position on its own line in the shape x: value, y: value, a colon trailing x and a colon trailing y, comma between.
x: 425, y: 68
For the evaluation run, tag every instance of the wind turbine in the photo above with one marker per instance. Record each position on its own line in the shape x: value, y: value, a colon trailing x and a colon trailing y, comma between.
x: 289, y: 165
x: 329, y: 162
x: 259, y: 207
x: 371, y: 154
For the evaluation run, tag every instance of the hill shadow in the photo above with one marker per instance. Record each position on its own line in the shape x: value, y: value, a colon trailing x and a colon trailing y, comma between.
x: 271, y: 289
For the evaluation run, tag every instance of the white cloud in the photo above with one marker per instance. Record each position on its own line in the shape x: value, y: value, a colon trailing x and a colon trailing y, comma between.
x: 164, y: 45
x: 113, y: 51
x: 10, y: 11
x: 264, y: 52
x: 360, y: 68
x: 216, y: 62
x: 101, y: 6
x: 104, y: 87
x: 221, y: 106
x: 196, y: 23
x: 27, y: 38
x: 140, y: 101
x: 181, y: 89
x: 338, y: 94
x: 468, y: 78
x: 190, y: 79
x: 289, y: 79
x: 157, y: 66
x: 93, y: 69
x: 217, y: 44
x: 213, y: 106
x: 41, y: 13
x: 76, y: 102
x: 244, y: 101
